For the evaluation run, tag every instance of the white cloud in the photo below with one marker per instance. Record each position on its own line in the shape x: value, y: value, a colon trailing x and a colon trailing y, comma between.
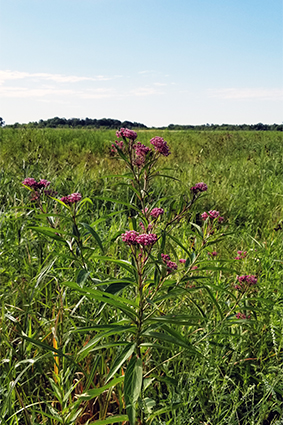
x: 247, y: 93
x: 8, y: 75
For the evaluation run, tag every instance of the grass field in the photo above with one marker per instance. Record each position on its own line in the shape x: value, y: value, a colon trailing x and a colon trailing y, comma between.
x: 68, y: 338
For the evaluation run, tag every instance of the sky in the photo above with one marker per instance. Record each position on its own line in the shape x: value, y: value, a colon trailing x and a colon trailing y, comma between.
x: 157, y: 62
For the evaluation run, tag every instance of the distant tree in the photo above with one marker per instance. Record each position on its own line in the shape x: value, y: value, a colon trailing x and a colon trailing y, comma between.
x: 2, y: 122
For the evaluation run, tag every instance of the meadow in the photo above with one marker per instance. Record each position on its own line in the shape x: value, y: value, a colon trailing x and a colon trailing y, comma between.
x: 97, y: 328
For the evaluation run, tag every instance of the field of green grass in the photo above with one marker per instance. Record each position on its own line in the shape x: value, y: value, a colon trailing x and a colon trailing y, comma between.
x: 67, y: 285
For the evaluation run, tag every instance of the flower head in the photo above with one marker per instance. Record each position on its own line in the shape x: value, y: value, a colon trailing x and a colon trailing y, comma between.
x: 213, y: 254
x: 146, y: 239
x: 165, y: 257
x: 125, y: 132
x: 156, y: 212
x: 204, y: 215
x: 245, y: 282
x: 71, y: 199
x: 30, y: 182
x: 130, y: 237
x: 213, y: 214
x: 160, y: 145
x: 199, y: 187
x: 182, y: 260
x: 171, y: 266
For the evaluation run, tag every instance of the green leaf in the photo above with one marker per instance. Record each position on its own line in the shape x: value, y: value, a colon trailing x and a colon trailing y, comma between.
x: 90, y: 394
x: 132, y: 387
x: 111, y: 420
x: 116, y: 201
x: 179, y: 243
x: 122, y: 263
x: 91, y: 344
x: 181, y: 319
x: 108, y: 299
x: 94, y: 234
x: 120, y: 360
x: 48, y: 231
x: 198, y: 228
x: 82, y: 277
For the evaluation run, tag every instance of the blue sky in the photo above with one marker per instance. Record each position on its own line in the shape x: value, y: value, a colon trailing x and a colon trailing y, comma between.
x: 152, y: 61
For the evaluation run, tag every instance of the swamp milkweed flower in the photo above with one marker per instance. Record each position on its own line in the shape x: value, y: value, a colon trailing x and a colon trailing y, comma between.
x: 71, y: 199
x: 156, y: 212
x: 160, y: 145
x: 245, y: 282
x: 125, y: 132
x: 199, y: 187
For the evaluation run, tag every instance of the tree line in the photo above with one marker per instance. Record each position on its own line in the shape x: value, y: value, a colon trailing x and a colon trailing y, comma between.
x: 109, y: 123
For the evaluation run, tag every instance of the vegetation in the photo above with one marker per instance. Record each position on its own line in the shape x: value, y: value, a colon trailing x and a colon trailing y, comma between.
x: 110, y: 123
x: 98, y: 325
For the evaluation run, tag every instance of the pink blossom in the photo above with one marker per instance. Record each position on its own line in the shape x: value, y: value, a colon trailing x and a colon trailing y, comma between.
x: 141, y: 150
x: 238, y: 258
x: 165, y: 257
x: 116, y: 145
x: 29, y: 181
x: 160, y: 145
x: 130, y: 237
x: 156, y: 212
x: 71, y: 199
x: 213, y: 213
x: 213, y: 254
x: 146, y: 239
x: 204, y: 215
x: 171, y: 265
x: 220, y: 219
x: 199, y: 187
x: 246, y: 281
x: 182, y: 260
x: 194, y: 268
x: 125, y: 132
x: 43, y: 183
x: 241, y: 316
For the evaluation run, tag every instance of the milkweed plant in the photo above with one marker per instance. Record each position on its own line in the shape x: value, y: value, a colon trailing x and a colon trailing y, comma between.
x: 161, y: 279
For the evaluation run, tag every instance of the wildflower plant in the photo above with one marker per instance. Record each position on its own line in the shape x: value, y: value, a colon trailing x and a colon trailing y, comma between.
x: 153, y: 286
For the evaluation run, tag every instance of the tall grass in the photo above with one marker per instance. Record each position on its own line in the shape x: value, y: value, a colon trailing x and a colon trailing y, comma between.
x: 239, y: 378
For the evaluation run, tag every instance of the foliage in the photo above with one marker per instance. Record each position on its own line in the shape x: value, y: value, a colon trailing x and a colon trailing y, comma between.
x: 96, y: 322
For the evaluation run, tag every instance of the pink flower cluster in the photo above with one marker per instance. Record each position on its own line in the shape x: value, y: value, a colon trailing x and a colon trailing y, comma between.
x: 212, y: 214
x: 156, y: 212
x: 182, y: 260
x: 199, y: 187
x: 245, y: 282
x: 141, y: 152
x: 71, y: 199
x: 241, y: 255
x: 213, y: 254
x: 242, y: 316
x: 131, y: 237
x: 169, y: 264
x: 31, y: 182
x: 118, y: 144
x: 160, y: 145
x: 126, y: 133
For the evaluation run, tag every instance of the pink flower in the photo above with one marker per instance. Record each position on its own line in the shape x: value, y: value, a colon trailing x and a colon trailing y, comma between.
x: 199, y: 187
x: 182, y: 260
x: 71, y: 199
x: 220, y: 219
x: 130, y: 237
x: 213, y: 213
x: 116, y: 145
x: 204, y: 215
x: 171, y: 265
x: 141, y: 150
x: 241, y: 316
x: 160, y: 145
x: 165, y: 257
x: 43, y: 183
x: 238, y: 258
x: 125, y: 132
x: 194, y: 268
x: 146, y: 239
x: 30, y: 182
x: 156, y: 212
x: 246, y: 281
x: 213, y: 254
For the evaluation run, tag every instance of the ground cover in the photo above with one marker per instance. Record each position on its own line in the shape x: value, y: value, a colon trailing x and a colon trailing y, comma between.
x: 57, y: 343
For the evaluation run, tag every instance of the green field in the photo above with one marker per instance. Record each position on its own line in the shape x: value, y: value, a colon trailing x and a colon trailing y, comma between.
x: 78, y: 333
